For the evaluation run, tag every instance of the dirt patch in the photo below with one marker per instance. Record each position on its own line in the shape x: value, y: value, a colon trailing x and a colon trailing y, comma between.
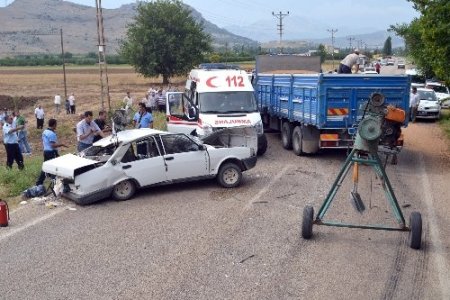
x: 13, y: 103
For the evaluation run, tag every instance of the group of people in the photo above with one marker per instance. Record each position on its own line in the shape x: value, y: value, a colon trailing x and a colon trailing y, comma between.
x: 154, y: 100
x: 69, y: 104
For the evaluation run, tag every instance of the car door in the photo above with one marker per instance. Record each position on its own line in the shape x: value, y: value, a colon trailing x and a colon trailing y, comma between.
x: 184, y: 158
x: 143, y: 161
x: 181, y: 115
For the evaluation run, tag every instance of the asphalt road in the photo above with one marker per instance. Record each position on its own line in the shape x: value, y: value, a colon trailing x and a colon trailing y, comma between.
x: 199, y: 241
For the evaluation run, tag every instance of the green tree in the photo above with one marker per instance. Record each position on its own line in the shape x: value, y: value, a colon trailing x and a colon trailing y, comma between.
x: 322, y: 52
x: 387, y: 48
x: 427, y: 39
x: 164, y: 40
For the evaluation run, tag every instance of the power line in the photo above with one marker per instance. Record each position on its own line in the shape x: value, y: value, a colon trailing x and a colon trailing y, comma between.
x: 280, y: 17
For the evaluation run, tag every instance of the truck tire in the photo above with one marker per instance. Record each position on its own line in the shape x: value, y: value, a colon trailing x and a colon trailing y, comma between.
x: 297, y: 140
x: 286, y: 135
x: 262, y: 144
x: 310, y: 139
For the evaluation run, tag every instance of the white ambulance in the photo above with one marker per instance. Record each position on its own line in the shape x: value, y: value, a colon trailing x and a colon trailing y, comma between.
x: 214, y: 99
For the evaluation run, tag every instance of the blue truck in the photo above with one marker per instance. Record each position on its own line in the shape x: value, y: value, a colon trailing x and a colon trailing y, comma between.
x: 316, y: 111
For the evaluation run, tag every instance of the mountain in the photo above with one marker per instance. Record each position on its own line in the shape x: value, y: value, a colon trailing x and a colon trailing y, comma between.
x: 33, y: 26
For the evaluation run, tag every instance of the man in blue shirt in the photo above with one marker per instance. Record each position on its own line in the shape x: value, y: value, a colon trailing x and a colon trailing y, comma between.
x: 11, y: 141
x: 143, y: 119
x: 86, y: 130
x: 51, y: 145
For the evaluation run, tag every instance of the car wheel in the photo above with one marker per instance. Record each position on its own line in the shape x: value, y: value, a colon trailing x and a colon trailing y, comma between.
x: 307, y: 222
x: 230, y: 175
x: 124, y: 190
x: 286, y: 135
x: 415, y: 230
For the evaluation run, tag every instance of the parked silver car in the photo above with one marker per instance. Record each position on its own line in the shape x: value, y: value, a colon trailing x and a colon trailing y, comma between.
x: 117, y: 165
x: 429, y: 107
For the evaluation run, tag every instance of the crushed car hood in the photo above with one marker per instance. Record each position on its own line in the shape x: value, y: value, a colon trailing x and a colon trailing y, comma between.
x: 68, y: 166
x: 233, y: 137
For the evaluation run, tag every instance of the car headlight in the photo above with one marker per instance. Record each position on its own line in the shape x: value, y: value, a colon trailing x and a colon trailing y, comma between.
x: 259, y: 127
x: 207, y: 129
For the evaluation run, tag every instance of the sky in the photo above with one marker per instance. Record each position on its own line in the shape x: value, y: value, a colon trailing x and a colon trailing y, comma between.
x: 335, y: 13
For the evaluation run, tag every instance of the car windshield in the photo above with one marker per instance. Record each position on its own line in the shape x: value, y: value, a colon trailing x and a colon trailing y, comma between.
x: 99, y: 153
x: 227, y: 102
x: 427, y: 95
x: 439, y: 89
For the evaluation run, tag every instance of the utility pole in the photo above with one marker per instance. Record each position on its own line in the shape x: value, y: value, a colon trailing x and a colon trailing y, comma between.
x: 332, y: 31
x: 64, y: 64
x: 102, y: 57
x: 280, y: 17
x: 350, y: 40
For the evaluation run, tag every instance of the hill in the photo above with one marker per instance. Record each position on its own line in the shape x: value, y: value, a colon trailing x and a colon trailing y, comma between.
x: 33, y: 26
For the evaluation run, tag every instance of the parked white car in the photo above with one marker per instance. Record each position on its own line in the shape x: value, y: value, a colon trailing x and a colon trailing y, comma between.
x: 429, y: 107
x: 442, y: 92
x: 117, y: 165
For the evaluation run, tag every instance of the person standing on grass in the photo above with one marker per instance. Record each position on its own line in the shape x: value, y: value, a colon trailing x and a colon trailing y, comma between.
x: 67, y: 106
x: 127, y: 101
x: 161, y: 101
x: 57, y: 102
x: 143, y: 119
x: 22, y: 134
x: 86, y: 131
x: 39, y: 113
x: 11, y: 142
x: 101, y: 123
x: 50, y: 145
x: 72, y: 103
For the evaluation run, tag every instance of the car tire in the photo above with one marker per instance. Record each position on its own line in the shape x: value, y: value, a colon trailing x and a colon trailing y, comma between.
x: 124, y: 190
x: 415, y: 230
x: 230, y: 175
x: 307, y: 222
x: 286, y: 135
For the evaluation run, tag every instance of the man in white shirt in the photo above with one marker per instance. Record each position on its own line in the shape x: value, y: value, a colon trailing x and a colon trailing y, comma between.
x: 57, y: 103
x: 127, y: 101
x: 72, y: 103
x: 39, y: 113
x: 345, y: 67
x: 414, y: 100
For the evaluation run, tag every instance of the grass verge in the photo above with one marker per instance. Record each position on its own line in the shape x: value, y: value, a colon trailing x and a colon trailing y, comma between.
x: 444, y: 122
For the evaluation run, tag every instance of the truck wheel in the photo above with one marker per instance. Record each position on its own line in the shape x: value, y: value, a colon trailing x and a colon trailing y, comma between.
x: 262, y: 144
x: 230, y: 175
x: 415, y: 233
x: 297, y: 141
x: 124, y: 190
x: 286, y: 135
x: 307, y: 223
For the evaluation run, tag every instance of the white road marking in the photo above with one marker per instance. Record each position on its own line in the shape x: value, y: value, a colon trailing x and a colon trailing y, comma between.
x: 439, y: 253
x: 25, y: 226
x: 265, y: 189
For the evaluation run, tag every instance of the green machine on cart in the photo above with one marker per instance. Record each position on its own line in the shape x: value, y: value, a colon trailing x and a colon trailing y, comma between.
x: 371, y: 129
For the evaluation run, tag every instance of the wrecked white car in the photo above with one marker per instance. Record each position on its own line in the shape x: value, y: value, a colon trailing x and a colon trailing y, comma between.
x: 117, y: 165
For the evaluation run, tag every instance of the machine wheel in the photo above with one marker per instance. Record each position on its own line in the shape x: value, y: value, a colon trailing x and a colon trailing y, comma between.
x: 262, y: 144
x: 286, y: 135
x: 415, y: 233
x: 297, y: 140
x: 124, y: 190
x: 230, y: 175
x: 307, y: 223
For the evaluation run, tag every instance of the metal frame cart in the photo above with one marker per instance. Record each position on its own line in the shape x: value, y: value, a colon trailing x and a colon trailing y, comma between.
x: 365, y: 149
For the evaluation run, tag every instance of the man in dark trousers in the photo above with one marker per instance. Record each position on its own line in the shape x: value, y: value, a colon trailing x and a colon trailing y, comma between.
x: 51, y: 145
x: 11, y: 141
x: 345, y: 67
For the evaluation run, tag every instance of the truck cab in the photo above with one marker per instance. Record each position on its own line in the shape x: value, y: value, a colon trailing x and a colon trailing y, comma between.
x: 214, y: 98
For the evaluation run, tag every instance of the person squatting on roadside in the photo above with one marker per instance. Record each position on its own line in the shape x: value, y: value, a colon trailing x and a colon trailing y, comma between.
x: 39, y: 113
x: 413, y: 104
x: 50, y: 145
x: 86, y: 131
x: 11, y: 141
x: 345, y: 67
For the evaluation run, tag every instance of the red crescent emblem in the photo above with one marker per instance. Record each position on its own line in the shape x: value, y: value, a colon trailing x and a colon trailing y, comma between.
x: 209, y: 82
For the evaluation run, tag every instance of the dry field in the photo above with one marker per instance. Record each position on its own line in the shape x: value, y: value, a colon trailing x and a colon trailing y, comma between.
x: 26, y: 87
